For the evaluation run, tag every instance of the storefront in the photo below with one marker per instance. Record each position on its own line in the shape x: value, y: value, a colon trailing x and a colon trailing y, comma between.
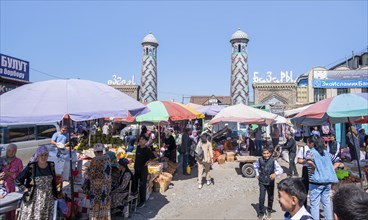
x: 14, y: 72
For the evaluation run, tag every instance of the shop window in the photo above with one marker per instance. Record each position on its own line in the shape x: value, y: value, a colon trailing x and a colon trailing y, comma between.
x: 365, y: 90
x: 319, y: 94
x: 343, y: 91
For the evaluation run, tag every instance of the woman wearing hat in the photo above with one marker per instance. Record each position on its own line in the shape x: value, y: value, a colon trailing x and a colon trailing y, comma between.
x: 39, y: 181
x: 99, y: 175
x: 120, y: 188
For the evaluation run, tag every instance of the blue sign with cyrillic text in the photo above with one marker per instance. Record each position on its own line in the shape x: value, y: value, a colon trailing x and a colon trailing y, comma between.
x: 14, y: 68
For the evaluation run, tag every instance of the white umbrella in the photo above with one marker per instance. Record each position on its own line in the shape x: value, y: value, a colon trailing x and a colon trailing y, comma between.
x: 282, y: 120
x: 49, y: 101
x: 245, y: 114
x: 295, y: 111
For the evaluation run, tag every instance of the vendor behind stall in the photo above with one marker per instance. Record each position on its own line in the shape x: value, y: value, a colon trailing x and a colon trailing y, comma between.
x: 60, y: 138
x: 144, y: 156
x: 120, y: 188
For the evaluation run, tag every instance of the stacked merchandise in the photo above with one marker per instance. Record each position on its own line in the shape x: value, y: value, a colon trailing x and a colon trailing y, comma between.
x: 221, y: 159
x: 163, y: 180
x: 230, y: 156
x: 80, y: 198
x: 171, y: 167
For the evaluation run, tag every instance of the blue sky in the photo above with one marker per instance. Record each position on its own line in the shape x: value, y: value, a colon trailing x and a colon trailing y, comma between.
x: 95, y: 39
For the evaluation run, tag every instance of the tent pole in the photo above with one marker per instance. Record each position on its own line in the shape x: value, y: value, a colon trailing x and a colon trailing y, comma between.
x: 159, y: 136
x: 71, y: 171
x: 357, y: 155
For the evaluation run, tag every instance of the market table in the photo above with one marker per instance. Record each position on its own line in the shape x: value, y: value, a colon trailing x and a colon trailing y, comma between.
x: 10, y: 202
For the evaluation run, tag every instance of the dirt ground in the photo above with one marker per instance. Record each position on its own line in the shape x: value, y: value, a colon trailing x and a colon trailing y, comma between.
x: 230, y: 197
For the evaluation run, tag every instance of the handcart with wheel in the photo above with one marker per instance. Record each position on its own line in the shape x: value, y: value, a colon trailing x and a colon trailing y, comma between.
x: 246, y: 165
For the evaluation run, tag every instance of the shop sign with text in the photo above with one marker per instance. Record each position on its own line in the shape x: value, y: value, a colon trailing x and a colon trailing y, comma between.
x: 14, y: 68
x: 340, y: 78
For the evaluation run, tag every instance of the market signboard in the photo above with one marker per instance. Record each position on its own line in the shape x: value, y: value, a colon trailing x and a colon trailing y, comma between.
x: 6, y: 87
x: 340, y: 78
x: 14, y: 68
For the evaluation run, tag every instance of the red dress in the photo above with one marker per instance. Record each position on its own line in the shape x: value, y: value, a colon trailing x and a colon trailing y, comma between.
x: 14, y: 167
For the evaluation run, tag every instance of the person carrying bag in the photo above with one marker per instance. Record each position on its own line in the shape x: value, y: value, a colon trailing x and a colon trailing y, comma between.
x: 204, y: 157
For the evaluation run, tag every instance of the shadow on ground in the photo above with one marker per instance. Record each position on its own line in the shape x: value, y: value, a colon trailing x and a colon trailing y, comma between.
x: 157, y: 200
x: 256, y: 207
x: 238, y: 171
x: 153, y: 205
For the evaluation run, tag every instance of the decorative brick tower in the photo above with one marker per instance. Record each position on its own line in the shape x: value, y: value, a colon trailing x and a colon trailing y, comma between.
x: 148, y: 91
x: 239, y: 68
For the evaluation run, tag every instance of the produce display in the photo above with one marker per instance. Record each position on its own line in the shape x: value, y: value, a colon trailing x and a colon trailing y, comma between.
x: 98, y: 138
x: 350, y: 179
x: 155, y: 168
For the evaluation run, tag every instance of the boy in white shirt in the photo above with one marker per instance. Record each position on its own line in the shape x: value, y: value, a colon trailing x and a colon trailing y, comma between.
x: 291, y: 197
x: 302, y: 156
x: 266, y: 169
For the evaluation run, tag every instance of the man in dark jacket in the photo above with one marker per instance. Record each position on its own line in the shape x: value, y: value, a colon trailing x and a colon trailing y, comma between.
x: 184, y: 149
x: 290, y: 145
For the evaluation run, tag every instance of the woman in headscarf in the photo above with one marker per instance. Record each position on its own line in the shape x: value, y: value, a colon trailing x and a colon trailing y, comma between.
x: 12, y: 166
x: 120, y: 188
x: 99, y: 175
x: 39, y: 181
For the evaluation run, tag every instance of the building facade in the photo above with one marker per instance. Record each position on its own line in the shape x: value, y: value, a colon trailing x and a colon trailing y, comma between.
x: 148, y: 92
x: 276, y: 96
x: 210, y: 100
x: 130, y: 90
x: 320, y: 83
x: 239, y: 84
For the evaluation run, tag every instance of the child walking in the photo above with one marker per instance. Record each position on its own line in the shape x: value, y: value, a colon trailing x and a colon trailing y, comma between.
x: 266, y: 171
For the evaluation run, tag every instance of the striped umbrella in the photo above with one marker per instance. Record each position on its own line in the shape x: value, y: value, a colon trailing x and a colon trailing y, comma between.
x: 339, y: 109
x: 166, y: 110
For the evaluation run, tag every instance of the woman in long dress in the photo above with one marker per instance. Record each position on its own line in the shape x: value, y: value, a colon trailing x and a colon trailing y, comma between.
x: 39, y: 181
x: 99, y: 175
x: 120, y: 188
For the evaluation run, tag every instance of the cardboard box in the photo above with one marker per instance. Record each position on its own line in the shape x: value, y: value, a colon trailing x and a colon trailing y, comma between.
x: 230, y: 158
x: 221, y: 159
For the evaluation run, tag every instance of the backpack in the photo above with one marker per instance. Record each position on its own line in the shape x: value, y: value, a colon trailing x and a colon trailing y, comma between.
x: 198, y: 153
x: 193, y: 146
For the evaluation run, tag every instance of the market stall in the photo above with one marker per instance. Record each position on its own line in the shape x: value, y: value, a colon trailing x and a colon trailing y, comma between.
x: 350, y: 173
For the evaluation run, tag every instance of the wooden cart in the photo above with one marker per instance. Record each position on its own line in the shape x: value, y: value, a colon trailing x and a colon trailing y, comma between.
x: 246, y: 165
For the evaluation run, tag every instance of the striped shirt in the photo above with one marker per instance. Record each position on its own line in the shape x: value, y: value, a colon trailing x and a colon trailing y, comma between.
x: 334, y: 159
